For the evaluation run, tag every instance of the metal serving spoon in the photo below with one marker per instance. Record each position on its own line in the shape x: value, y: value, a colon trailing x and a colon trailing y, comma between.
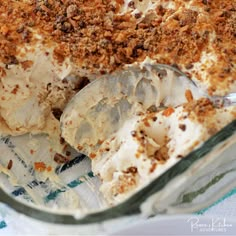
x: 103, y: 106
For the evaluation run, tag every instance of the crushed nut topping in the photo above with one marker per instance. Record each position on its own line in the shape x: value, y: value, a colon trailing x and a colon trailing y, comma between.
x: 101, y: 40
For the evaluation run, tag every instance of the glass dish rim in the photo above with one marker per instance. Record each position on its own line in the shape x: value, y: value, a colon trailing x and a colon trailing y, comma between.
x: 134, y: 201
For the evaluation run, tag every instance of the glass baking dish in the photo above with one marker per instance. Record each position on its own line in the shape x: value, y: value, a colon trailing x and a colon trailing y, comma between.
x: 69, y: 193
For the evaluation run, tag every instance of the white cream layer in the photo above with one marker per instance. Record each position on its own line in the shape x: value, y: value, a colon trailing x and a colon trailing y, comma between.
x: 123, y: 146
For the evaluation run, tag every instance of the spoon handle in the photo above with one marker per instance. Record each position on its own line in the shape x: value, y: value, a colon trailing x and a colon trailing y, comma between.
x: 219, y: 101
x: 224, y: 101
x: 230, y: 99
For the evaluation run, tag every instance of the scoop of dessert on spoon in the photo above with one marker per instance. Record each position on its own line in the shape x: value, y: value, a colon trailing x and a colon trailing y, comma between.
x: 103, y: 106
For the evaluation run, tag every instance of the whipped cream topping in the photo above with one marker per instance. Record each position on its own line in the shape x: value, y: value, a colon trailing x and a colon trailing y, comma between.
x: 136, y: 7
x: 33, y: 90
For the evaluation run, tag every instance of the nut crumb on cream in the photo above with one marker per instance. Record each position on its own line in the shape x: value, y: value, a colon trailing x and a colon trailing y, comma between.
x: 138, y: 152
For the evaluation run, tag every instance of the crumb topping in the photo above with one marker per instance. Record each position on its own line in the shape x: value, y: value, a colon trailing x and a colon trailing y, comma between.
x: 201, y: 109
x: 101, y: 40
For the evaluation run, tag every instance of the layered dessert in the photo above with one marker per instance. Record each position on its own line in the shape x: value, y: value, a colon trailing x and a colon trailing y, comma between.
x: 50, y: 49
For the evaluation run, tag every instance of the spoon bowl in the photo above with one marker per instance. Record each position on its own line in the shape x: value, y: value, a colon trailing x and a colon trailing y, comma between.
x: 103, y: 106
